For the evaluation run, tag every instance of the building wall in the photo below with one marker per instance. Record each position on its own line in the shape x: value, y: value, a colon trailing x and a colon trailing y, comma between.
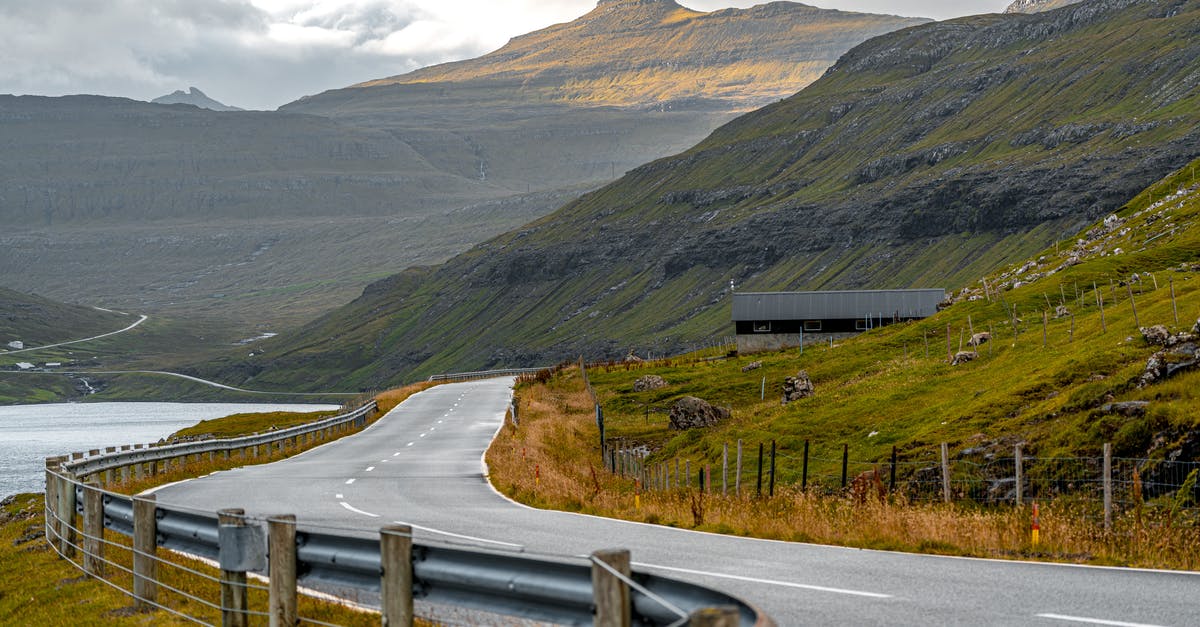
x: 759, y: 342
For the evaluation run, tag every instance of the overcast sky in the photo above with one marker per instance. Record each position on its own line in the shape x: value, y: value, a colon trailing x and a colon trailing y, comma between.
x: 264, y: 53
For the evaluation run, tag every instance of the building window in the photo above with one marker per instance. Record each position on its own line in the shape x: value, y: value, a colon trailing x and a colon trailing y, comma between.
x: 762, y: 327
x: 860, y: 324
x: 812, y: 325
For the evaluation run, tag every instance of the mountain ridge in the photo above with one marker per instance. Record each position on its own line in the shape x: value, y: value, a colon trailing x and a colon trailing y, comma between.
x: 924, y: 157
x: 196, y: 98
x: 288, y: 214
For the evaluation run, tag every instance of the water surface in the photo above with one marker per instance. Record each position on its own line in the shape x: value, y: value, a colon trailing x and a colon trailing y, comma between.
x: 31, y: 433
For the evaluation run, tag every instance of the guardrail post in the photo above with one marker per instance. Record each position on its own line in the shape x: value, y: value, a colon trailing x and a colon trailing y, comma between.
x: 93, y: 529
x: 53, y: 466
x: 610, y: 594
x: 395, y: 544
x: 145, y: 546
x: 67, y: 538
x: 233, y: 583
x: 714, y: 617
x: 281, y: 534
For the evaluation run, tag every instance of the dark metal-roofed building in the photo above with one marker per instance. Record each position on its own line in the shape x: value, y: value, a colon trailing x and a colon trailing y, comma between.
x: 774, y: 320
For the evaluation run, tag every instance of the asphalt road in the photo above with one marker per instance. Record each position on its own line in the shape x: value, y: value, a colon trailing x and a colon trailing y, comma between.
x: 421, y: 465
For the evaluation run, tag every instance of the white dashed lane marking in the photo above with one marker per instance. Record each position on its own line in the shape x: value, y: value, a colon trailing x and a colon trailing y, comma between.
x: 1093, y: 621
x: 358, y: 511
x: 349, y: 481
x: 370, y: 468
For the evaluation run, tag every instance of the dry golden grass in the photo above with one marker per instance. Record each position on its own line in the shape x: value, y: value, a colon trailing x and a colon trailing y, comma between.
x: 551, y: 460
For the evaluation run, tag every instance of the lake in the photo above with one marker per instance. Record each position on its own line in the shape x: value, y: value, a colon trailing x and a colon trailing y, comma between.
x: 31, y: 433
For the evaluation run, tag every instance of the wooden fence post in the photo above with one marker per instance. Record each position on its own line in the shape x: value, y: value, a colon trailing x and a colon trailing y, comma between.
x: 397, y: 583
x: 233, y: 583
x: 609, y: 593
x: 758, y: 486
x: 281, y: 547
x: 724, y: 468
x: 145, y: 552
x: 945, y: 472
x: 845, y: 463
x: 93, y: 530
x: 737, y: 475
x: 804, y: 469
x: 1107, y: 486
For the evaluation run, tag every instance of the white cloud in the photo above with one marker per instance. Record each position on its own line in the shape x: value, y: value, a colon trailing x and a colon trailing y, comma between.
x: 264, y: 53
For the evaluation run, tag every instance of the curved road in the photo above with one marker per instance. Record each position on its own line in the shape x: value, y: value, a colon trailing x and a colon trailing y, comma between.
x: 86, y: 339
x: 421, y: 465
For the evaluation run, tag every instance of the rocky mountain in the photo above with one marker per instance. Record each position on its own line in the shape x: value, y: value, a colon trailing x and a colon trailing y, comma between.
x: 277, y: 216
x: 925, y: 157
x: 634, y: 53
x: 1037, y: 6
x: 194, y: 97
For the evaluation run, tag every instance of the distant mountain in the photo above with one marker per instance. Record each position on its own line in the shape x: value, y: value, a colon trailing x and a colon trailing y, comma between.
x: 267, y: 217
x: 1037, y: 6
x: 925, y: 157
x: 582, y: 102
x: 194, y: 97
x: 649, y: 52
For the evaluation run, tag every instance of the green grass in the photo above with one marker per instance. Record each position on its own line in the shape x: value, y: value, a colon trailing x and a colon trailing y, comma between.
x: 879, y: 389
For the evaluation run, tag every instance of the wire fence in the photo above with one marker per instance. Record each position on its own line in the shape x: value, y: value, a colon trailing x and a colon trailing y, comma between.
x: 1109, y: 483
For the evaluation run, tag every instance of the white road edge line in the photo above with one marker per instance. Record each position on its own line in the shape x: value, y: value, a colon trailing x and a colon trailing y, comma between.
x: 459, y: 535
x: 356, y: 510
x: 1093, y: 621
x: 772, y: 582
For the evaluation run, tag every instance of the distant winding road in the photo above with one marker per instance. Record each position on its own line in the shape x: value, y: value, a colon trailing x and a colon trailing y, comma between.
x: 86, y: 339
x: 421, y: 465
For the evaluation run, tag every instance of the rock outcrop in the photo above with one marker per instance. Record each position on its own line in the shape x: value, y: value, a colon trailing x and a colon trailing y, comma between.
x: 648, y: 382
x: 797, y: 387
x: 963, y: 357
x: 690, y: 412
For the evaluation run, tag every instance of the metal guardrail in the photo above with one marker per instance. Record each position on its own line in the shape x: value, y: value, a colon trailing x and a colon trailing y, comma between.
x: 101, y: 462
x: 556, y: 590
x: 482, y: 374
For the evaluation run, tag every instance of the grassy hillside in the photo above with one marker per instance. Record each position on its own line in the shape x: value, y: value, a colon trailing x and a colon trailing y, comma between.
x: 1040, y: 384
x: 1061, y: 389
x: 925, y: 157
x: 37, y: 321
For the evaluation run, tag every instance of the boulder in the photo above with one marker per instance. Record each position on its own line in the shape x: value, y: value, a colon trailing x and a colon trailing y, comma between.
x: 648, y: 382
x: 1157, y: 335
x: 963, y: 357
x: 797, y: 387
x: 1126, y: 408
x: 1061, y: 311
x: 754, y: 365
x: 690, y: 412
x: 980, y: 338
